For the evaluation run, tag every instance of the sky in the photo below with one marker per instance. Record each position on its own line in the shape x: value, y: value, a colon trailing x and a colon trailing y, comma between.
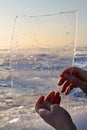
x: 11, y: 8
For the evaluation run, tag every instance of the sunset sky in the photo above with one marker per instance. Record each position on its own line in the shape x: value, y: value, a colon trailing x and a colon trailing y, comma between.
x: 11, y: 8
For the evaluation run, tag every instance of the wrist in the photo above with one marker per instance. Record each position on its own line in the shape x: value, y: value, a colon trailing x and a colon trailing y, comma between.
x: 71, y: 127
x: 68, y: 127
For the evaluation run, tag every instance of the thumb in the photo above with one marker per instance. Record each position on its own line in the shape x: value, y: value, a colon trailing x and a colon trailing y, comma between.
x: 44, y: 113
x: 74, y: 80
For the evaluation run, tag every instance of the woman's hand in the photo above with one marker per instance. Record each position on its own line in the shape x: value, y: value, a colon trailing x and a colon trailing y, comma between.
x: 48, y: 108
x: 71, y: 78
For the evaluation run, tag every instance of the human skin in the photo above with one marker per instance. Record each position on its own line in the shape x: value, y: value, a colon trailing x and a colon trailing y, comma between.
x: 71, y: 78
x: 48, y: 107
x: 56, y: 116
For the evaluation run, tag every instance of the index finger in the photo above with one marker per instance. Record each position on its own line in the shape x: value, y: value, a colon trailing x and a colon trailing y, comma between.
x: 50, y: 97
x: 39, y: 103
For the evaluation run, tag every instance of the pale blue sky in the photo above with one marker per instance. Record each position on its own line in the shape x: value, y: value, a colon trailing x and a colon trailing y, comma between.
x: 10, y: 8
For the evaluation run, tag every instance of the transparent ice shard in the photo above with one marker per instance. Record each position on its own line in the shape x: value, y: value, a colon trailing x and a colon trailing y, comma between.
x: 42, y: 46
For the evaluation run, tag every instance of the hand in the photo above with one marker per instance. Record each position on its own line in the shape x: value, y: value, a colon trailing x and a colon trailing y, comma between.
x: 71, y: 78
x: 48, y: 108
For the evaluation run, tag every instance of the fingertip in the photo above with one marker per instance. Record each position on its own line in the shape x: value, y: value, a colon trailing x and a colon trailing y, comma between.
x: 58, y: 100
x: 39, y: 101
x: 51, y: 93
x: 57, y: 93
x: 39, y: 104
x: 67, y: 91
x: 50, y: 96
x: 59, y: 84
x: 62, y: 91
x: 61, y: 81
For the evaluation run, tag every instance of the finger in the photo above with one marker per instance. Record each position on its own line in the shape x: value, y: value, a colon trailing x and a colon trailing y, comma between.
x: 61, y: 81
x: 65, y: 85
x: 53, y: 98
x: 57, y: 94
x: 45, y: 114
x: 74, y: 80
x: 57, y: 98
x: 39, y: 103
x: 57, y: 101
x: 69, y: 88
x: 40, y: 100
x: 50, y: 97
